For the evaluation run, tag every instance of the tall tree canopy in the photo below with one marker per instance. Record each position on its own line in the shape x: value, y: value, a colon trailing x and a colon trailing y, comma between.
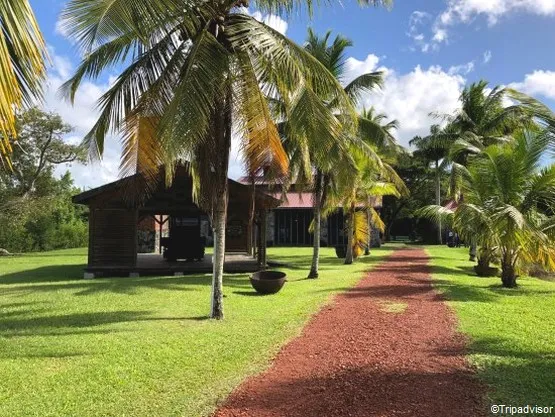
x: 38, y: 147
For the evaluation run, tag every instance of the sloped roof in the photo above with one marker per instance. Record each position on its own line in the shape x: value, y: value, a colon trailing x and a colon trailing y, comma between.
x: 118, y: 189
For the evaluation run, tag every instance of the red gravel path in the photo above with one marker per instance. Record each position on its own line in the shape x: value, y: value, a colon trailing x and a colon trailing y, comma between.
x: 356, y: 359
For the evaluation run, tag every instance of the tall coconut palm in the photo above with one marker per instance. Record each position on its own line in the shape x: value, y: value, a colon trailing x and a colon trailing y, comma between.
x: 435, y: 148
x: 332, y: 54
x: 377, y: 131
x: 509, y: 201
x: 485, y: 117
x: 22, y: 69
x: 194, y: 73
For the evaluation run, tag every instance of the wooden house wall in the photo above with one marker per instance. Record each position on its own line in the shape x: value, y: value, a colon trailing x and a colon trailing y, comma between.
x: 112, y: 237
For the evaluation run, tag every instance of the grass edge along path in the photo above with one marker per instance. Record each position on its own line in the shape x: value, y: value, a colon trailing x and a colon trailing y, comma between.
x: 143, y: 346
x: 511, y: 332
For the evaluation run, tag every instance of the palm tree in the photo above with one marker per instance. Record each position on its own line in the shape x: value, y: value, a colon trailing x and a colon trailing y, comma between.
x: 483, y: 119
x: 509, y: 201
x: 194, y: 73
x: 435, y: 148
x: 375, y: 130
x: 354, y: 188
x: 22, y: 69
x: 378, y: 131
x: 324, y: 164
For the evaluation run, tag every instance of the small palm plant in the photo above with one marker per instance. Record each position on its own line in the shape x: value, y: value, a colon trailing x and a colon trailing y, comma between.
x: 509, y: 203
x: 22, y: 69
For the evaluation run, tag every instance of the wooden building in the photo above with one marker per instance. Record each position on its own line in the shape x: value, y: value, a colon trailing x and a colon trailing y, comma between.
x: 116, y: 213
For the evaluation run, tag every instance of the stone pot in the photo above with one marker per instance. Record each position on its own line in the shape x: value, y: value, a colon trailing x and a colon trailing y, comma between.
x: 268, y: 282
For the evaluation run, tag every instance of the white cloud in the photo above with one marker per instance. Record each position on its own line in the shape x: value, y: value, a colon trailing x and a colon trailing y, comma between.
x: 271, y: 20
x: 463, y: 69
x: 418, y: 20
x: 538, y: 83
x: 81, y: 116
x: 466, y: 12
x: 354, y: 67
x: 487, y: 57
x: 411, y: 97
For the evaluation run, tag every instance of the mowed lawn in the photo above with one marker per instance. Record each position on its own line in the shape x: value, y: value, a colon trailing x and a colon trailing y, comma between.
x: 143, y: 346
x: 512, y: 331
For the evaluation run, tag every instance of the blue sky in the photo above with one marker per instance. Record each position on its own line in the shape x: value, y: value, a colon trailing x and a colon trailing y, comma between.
x: 428, y: 49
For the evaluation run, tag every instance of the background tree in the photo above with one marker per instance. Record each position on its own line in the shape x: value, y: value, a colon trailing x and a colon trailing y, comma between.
x: 38, y: 147
x: 22, y: 70
x: 400, y: 214
x: 36, y: 212
x: 435, y: 148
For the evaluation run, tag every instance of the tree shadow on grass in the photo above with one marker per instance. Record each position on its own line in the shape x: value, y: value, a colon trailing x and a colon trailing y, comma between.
x: 53, y: 273
x: 56, y: 278
x: 76, y: 323
x: 362, y: 391
x: 517, y: 373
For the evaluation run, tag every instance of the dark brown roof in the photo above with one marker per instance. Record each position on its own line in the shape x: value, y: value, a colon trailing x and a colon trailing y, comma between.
x: 119, y: 188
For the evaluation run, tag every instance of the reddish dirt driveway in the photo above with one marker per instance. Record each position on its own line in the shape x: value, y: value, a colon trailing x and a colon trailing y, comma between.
x: 388, y: 347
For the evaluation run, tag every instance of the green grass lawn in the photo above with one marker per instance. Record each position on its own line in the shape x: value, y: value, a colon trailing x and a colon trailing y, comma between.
x: 143, y: 346
x: 512, y: 331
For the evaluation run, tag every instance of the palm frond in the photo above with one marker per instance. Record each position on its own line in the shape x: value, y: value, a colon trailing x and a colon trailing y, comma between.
x: 22, y: 69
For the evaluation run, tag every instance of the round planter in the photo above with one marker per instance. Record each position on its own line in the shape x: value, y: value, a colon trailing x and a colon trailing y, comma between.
x: 268, y: 282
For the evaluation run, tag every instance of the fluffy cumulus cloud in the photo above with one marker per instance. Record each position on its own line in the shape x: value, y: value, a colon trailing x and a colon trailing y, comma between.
x: 81, y: 116
x: 538, y: 83
x: 411, y: 97
x: 465, y: 12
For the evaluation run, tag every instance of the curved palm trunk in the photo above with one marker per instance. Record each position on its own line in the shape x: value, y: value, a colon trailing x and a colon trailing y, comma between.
x: 350, y: 233
x: 220, y: 198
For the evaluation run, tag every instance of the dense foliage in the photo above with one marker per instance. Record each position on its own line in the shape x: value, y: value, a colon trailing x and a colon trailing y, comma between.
x: 36, y: 212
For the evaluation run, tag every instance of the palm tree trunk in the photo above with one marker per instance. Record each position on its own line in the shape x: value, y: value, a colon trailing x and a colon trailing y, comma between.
x: 438, y: 202
x: 472, y: 251
x: 217, y: 308
x: 350, y: 232
x: 508, y: 272
x: 367, y: 250
x: 222, y: 130
x: 317, y: 227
